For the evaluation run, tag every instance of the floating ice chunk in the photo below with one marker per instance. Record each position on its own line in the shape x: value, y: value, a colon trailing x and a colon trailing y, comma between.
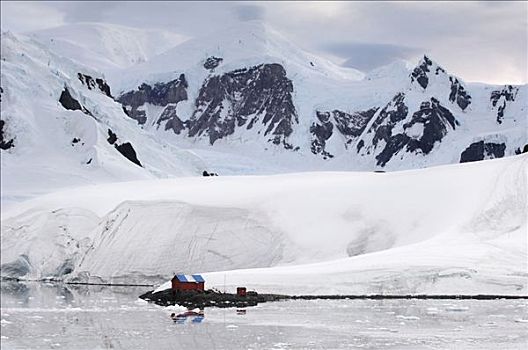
x: 521, y: 320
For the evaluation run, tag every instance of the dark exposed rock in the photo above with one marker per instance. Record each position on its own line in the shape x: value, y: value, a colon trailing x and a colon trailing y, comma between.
x: 432, y: 121
x: 349, y: 125
x: 206, y: 173
x: 75, y: 140
x: 507, y: 94
x: 96, y: 83
x: 321, y: 133
x: 352, y: 125
x: 394, y: 112
x: 436, y: 120
x: 5, y: 144
x: 245, y: 97
x: 482, y: 150
x: 212, y: 62
x: 360, y: 145
x: 104, y: 87
x: 128, y: 151
x: 172, y: 120
x: 126, y: 148
x: 68, y: 102
x: 112, y: 137
x: 161, y: 94
x: 458, y: 94
x: 420, y: 72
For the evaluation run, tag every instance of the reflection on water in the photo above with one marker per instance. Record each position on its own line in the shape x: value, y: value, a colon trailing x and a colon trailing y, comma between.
x: 191, y: 315
x: 56, y: 316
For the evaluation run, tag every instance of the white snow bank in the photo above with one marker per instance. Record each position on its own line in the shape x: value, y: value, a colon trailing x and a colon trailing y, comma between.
x: 459, y: 228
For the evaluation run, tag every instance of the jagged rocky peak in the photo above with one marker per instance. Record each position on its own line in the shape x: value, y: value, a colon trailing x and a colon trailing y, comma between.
x: 349, y: 125
x: 258, y: 97
x: 481, y: 150
x: 97, y: 83
x: 500, y: 98
x: 421, y: 72
x: 212, y: 62
x: 417, y: 134
x: 458, y: 94
x: 161, y: 94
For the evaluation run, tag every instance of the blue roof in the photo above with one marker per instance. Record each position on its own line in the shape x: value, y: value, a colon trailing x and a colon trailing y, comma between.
x: 190, y: 278
x: 198, y: 278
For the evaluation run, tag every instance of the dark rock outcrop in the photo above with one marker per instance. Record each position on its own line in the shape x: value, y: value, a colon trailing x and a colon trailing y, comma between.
x: 458, y: 94
x: 420, y: 72
x: 212, y: 62
x: 161, y: 94
x: 67, y: 101
x: 244, y: 97
x: 482, y: 150
x: 350, y: 125
x: 112, y: 137
x: 171, y: 119
x: 395, y: 111
x: 427, y: 126
x: 321, y: 132
x: 126, y: 148
x: 128, y: 152
x: 97, y: 83
x: 5, y: 143
x: 501, y: 98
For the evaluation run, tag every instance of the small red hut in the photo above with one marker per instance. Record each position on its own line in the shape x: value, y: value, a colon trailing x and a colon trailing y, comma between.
x: 188, y: 282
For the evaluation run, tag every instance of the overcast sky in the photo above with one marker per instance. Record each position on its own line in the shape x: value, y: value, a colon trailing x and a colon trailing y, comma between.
x: 478, y: 41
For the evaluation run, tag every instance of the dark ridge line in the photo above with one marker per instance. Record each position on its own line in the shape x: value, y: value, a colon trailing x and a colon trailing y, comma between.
x: 410, y: 296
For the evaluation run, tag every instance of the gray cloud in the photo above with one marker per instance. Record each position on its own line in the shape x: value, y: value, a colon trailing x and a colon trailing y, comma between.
x: 249, y: 12
x: 479, y: 41
x: 365, y: 56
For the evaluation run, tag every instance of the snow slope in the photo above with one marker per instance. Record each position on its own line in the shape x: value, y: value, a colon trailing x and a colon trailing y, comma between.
x: 450, y: 229
x: 54, y: 147
x: 105, y: 46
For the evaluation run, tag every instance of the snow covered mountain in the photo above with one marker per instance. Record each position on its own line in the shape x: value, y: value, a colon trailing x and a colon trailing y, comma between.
x: 249, y: 90
x: 244, y: 101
